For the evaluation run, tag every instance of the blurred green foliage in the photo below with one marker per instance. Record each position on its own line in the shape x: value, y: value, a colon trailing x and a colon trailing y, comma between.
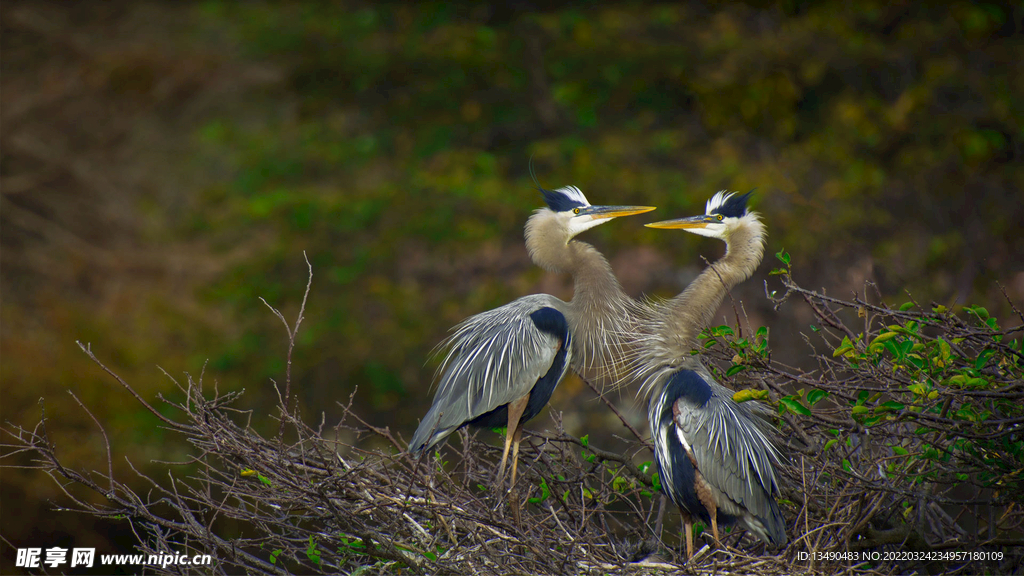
x: 398, y: 144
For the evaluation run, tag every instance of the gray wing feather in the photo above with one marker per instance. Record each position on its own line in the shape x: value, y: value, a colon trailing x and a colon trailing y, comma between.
x: 493, y: 358
x: 732, y: 448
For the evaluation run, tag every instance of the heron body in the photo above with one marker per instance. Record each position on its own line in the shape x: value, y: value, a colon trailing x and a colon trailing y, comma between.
x: 708, y: 457
x: 503, y: 365
x: 520, y: 350
x: 715, y: 457
x: 552, y: 324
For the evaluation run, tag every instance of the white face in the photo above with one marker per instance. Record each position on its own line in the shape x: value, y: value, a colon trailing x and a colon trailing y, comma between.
x: 583, y: 222
x: 585, y: 217
x: 708, y: 224
x: 579, y: 218
x: 714, y: 229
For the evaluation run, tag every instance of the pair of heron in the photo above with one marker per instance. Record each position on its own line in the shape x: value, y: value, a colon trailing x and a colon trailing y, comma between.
x: 714, y: 456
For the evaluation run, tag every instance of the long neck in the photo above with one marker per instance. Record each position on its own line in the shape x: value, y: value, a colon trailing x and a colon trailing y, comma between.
x: 600, y: 312
x: 682, y: 318
x: 602, y: 315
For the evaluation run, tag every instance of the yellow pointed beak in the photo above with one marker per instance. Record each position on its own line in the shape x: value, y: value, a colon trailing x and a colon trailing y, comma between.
x: 614, y: 211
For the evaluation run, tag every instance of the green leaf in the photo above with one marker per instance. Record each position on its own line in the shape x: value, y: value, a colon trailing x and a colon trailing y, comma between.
x: 311, y: 551
x: 978, y: 311
x: 783, y: 256
x: 905, y: 347
x: 884, y: 336
x: 871, y: 421
x: 844, y: 347
x: 620, y: 484
x: 735, y: 369
x: 829, y: 444
x: 545, y: 492
x: 814, y: 396
x: 983, y: 359
x: 723, y: 330
x: 748, y: 394
x: 906, y: 306
x: 792, y: 403
x: 585, y: 440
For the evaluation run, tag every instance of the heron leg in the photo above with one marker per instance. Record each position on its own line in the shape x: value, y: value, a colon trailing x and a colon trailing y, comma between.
x: 515, y: 450
x: 504, y: 457
x: 708, y: 500
x: 688, y: 529
x: 513, y: 495
x: 512, y: 433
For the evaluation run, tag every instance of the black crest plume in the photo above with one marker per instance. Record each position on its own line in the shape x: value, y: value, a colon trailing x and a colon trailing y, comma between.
x: 735, y: 206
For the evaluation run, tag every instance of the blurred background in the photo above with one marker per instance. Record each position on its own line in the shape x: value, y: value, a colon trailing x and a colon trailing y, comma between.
x: 164, y: 164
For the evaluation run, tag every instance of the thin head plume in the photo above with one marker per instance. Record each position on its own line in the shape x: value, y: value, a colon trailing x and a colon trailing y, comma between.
x: 536, y: 182
x: 533, y: 175
x: 562, y: 199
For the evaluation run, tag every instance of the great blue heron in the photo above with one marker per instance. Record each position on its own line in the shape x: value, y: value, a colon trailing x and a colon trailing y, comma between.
x: 714, y: 456
x: 503, y: 365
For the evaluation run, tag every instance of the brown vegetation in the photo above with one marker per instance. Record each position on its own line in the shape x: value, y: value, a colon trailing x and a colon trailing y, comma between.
x: 936, y: 474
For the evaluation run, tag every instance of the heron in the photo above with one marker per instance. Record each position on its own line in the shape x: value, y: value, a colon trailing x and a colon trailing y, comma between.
x: 715, y: 459
x: 502, y: 365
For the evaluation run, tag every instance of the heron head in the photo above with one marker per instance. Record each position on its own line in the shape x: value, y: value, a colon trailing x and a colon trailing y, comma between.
x: 722, y: 214
x: 570, y: 205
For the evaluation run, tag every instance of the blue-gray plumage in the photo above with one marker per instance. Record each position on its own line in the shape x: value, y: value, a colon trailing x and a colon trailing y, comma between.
x: 699, y: 430
x: 716, y: 457
x: 552, y: 323
x: 502, y: 365
x: 495, y: 358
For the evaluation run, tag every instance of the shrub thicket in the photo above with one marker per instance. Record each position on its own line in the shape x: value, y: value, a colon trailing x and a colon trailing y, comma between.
x: 905, y: 453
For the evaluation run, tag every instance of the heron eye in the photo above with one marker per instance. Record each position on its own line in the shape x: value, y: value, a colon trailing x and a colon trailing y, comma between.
x: 719, y: 217
x: 575, y: 210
